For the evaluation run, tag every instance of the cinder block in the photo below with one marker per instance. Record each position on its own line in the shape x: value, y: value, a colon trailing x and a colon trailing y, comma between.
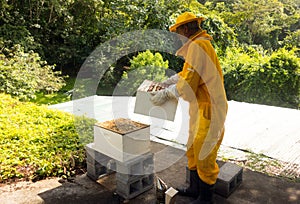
x: 144, y: 106
x: 94, y: 171
x: 125, y: 178
x: 135, y: 168
x: 98, y: 164
x: 135, y: 176
x: 135, y: 187
x: 95, y: 156
x: 229, y: 178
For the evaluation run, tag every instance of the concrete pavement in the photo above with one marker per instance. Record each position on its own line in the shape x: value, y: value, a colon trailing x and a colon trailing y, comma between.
x: 269, y: 130
x: 256, y: 188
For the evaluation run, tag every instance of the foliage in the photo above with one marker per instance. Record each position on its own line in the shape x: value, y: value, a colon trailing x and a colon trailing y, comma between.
x: 23, y: 74
x: 223, y: 35
x: 283, y: 76
x: 52, y: 98
x: 292, y: 40
x: 129, y: 15
x: 263, y: 23
x: 261, y: 163
x: 175, y: 63
x: 57, y: 29
x: 66, y: 32
x: 252, y: 75
x: 145, y: 65
x: 36, y: 142
x: 63, y: 95
x: 137, y: 15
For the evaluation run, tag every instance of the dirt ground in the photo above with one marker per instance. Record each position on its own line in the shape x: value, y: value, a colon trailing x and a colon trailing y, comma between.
x: 255, y: 188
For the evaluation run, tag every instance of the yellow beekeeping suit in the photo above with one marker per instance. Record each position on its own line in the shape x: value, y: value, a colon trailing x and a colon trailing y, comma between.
x: 201, y: 84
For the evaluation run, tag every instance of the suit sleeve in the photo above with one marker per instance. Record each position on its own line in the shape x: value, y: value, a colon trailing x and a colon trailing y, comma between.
x: 190, y: 79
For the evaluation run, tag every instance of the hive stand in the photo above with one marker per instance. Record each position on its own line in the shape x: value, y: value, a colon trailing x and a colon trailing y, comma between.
x: 133, y: 177
x: 98, y: 164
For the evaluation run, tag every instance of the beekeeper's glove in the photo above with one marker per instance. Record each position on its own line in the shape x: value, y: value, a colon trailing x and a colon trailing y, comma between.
x: 171, y: 80
x: 160, y: 97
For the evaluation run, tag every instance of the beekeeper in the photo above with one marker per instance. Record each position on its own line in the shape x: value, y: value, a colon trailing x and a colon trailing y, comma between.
x: 201, y: 84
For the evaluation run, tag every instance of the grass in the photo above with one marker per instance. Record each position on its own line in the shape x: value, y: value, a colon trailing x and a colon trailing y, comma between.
x: 57, y: 97
x: 263, y: 164
x: 36, y: 142
x: 65, y: 94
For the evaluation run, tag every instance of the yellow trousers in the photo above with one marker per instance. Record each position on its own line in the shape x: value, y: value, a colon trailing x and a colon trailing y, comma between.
x: 207, y: 169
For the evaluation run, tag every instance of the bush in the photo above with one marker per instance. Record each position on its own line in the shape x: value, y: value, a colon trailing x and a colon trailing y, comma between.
x: 23, y: 74
x: 252, y: 75
x: 145, y: 65
x: 283, y: 74
x: 292, y: 40
x: 37, y: 142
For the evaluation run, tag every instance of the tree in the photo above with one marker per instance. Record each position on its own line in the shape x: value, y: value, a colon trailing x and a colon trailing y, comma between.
x: 62, y: 32
x: 223, y: 35
x: 22, y: 74
x: 264, y: 22
x: 145, y: 65
x: 65, y: 32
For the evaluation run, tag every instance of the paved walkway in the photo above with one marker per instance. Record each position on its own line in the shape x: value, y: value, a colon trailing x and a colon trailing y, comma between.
x: 256, y: 188
x: 268, y: 130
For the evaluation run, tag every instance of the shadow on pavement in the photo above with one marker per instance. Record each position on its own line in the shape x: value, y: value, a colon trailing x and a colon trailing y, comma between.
x: 255, y: 188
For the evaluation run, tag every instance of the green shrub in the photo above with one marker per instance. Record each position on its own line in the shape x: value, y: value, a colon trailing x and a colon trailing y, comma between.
x: 23, y: 74
x: 36, y: 142
x: 145, y: 65
x: 283, y: 75
x: 251, y: 75
x: 292, y: 40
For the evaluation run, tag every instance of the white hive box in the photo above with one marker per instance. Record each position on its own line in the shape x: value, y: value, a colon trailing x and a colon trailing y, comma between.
x: 122, y: 139
x: 144, y: 106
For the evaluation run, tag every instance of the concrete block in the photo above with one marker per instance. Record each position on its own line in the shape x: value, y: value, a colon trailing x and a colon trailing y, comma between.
x: 144, y: 106
x: 229, y: 178
x: 98, y: 164
x: 94, y: 157
x: 94, y: 171
x: 119, y: 146
x: 135, y: 187
x: 135, y: 168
